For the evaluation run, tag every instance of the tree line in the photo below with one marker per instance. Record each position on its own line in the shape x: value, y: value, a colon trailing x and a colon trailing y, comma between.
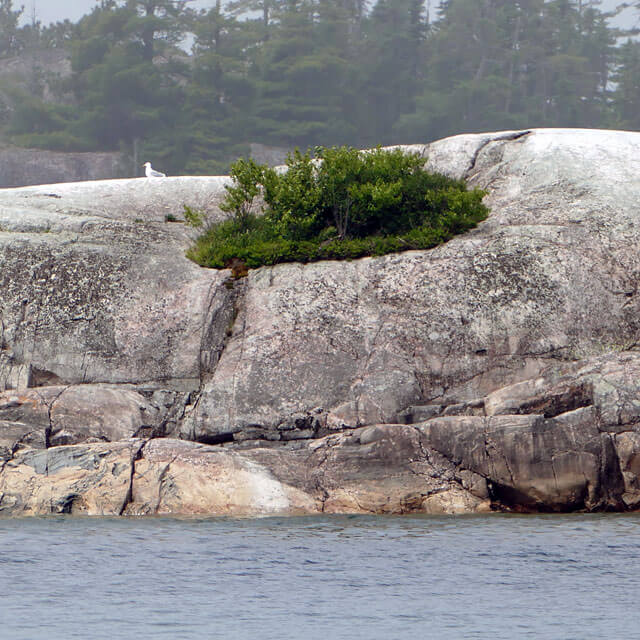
x: 190, y: 88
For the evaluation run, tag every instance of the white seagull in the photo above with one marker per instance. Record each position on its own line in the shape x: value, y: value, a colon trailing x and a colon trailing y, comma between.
x: 152, y: 173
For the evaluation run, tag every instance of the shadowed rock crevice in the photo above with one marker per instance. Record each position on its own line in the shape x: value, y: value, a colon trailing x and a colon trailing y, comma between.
x: 566, y: 400
x: 217, y: 438
x: 42, y: 378
x: 506, y: 137
x: 220, y: 324
x: 135, y: 457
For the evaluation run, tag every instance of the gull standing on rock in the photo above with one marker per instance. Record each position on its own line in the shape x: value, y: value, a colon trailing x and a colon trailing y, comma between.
x: 152, y: 173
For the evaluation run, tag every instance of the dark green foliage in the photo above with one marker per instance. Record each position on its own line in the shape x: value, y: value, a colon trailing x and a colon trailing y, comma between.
x: 194, y: 218
x: 306, y: 72
x: 247, y: 178
x: 627, y: 97
x: 341, y: 204
x: 9, y: 31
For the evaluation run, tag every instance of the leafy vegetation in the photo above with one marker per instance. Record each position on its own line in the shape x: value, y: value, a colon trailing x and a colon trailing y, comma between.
x: 342, y: 203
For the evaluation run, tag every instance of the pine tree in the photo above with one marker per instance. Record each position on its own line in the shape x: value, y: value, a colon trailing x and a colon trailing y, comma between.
x: 626, y: 97
x: 391, y: 66
x: 496, y: 64
x: 302, y: 76
x: 156, y: 24
x: 9, y: 30
x: 219, y: 94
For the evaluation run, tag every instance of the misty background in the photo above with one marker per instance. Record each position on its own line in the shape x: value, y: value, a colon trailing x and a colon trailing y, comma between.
x: 48, y: 11
x: 191, y: 86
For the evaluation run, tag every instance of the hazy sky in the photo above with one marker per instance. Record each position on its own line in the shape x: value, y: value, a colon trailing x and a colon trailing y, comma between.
x: 53, y: 10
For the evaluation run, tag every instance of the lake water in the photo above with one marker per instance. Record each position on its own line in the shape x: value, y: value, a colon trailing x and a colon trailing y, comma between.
x: 345, y: 578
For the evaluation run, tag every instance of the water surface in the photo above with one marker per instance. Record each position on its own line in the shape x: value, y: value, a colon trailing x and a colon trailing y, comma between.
x: 345, y: 578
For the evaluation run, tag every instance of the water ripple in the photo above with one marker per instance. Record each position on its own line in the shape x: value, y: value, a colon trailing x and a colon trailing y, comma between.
x: 349, y: 578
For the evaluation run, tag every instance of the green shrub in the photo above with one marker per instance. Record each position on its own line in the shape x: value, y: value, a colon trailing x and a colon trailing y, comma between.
x: 194, y: 218
x: 342, y: 204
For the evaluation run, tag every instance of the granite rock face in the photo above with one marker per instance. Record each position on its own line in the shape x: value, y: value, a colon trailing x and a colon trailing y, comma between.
x: 85, y: 479
x: 496, y: 371
x: 343, y: 473
x: 95, y: 287
x: 550, y: 276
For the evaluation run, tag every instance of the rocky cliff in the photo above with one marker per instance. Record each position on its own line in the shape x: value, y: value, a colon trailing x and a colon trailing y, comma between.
x: 498, y: 371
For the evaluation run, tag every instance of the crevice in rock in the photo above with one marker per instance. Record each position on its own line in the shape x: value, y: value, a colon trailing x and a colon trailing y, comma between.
x: 320, y: 471
x: 128, y: 498
x: 490, y: 445
x: 49, y: 429
x: 416, y: 413
x: 508, y: 137
x: 450, y: 475
x: 66, y: 507
x: 161, y: 479
x: 551, y: 405
x: 172, y: 415
x: 44, y: 378
x: 501, y: 496
x: 215, y: 438
x: 611, y: 478
x: 555, y: 475
x: 217, y: 331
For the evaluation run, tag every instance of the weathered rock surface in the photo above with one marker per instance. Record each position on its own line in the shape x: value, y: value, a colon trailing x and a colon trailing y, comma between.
x: 95, y: 287
x: 508, y: 355
x: 550, y: 276
x: 343, y: 473
x: 86, y: 479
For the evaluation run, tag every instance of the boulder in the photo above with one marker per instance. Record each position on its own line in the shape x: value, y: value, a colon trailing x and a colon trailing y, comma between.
x: 93, y: 479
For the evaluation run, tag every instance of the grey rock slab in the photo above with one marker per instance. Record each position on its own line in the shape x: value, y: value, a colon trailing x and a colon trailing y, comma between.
x: 549, y: 277
x: 344, y: 473
x: 95, y: 286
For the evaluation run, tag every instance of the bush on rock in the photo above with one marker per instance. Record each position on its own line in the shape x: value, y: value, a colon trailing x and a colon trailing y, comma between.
x: 343, y: 203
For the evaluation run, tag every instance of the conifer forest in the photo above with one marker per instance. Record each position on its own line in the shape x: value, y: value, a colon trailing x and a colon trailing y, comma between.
x: 191, y: 87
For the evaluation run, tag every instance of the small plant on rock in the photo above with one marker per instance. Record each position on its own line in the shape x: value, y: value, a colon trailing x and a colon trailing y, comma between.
x: 194, y: 218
